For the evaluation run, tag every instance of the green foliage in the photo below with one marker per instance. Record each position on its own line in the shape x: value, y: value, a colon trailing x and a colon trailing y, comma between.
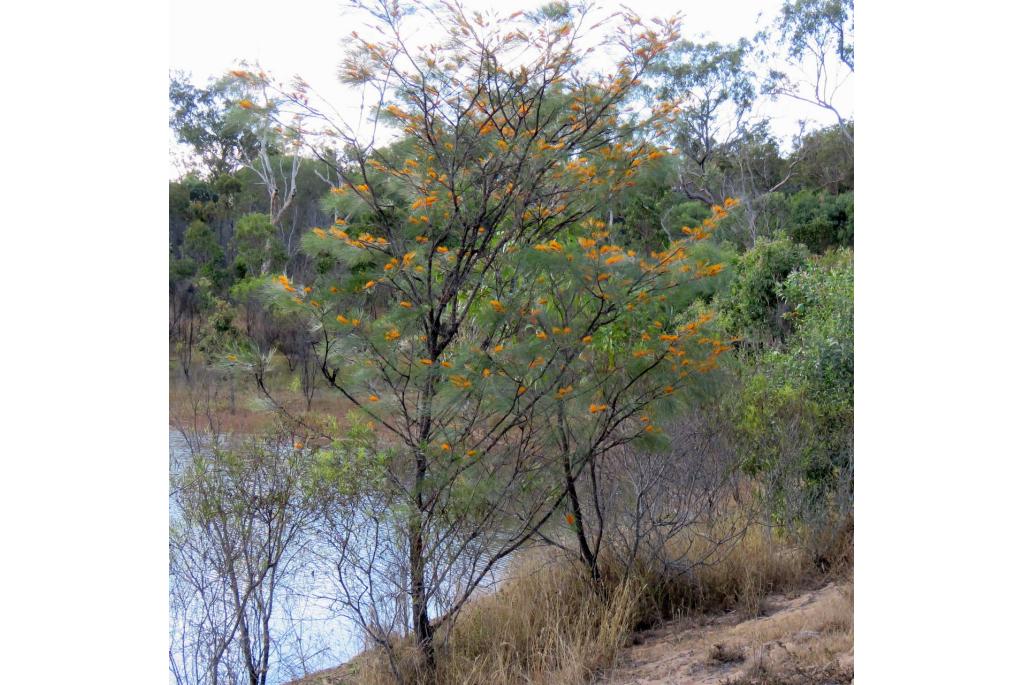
x: 826, y: 160
x: 178, y: 200
x: 200, y: 119
x: 219, y: 333
x: 820, y: 352
x: 752, y: 308
x: 821, y: 221
x: 182, y: 269
x: 716, y: 87
x: 811, y: 25
x: 201, y: 246
x: 258, y: 250
x: 793, y: 416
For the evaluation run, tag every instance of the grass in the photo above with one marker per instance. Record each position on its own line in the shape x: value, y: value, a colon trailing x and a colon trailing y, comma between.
x: 801, y: 647
x: 547, y: 624
x: 209, y: 401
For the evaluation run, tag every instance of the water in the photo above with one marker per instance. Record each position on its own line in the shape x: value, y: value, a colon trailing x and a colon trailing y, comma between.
x: 313, y: 629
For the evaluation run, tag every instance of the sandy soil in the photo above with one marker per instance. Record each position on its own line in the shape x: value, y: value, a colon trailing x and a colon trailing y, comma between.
x: 802, y: 639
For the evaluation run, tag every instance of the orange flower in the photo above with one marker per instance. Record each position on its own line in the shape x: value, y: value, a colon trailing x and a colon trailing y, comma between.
x: 298, y: 445
x: 342, y: 319
x: 521, y: 390
x: 393, y: 334
x: 542, y: 335
x: 445, y: 446
x: 497, y: 306
x: 374, y: 398
x: 406, y: 304
x: 245, y: 104
x: 369, y: 284
x: 587, y: 339
x: 570, y: 519
x: 426, y: 362
x: 498, y: 348
x: 470, y: 453
x: 446, y: 365
x: 486, y: 373
x: 598, y: 408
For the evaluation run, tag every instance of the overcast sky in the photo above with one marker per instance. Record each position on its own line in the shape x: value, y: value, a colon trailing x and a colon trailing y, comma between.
x: 306, y: 37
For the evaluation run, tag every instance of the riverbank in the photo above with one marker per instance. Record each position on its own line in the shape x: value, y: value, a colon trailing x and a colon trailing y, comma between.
x: 219, y: 403
x: 767, y: 614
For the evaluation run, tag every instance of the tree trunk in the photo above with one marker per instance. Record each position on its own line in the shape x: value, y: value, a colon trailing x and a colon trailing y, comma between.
x: 585, y: 552
x: 420, y: 615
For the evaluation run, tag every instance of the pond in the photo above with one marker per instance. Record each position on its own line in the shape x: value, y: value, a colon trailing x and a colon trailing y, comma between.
x: 313, y: 630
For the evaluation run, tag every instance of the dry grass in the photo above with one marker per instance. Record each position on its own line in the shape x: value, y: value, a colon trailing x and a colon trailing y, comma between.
x: 209, y: 401
x: 812, y: 644
x: 736, y: 577
x: 547, y: 625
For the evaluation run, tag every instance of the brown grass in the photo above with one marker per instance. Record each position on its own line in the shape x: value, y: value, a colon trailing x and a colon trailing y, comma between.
x: 207, y: 398
x: 547, y: 624
x: 802, y: 646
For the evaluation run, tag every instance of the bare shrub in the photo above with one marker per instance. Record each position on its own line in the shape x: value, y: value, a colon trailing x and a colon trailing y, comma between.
x: 237, y: 518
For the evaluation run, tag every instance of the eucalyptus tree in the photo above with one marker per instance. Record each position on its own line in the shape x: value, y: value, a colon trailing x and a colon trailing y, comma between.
x: 814, y: 40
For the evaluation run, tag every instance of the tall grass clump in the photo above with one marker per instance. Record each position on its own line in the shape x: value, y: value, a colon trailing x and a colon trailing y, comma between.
x: 546, y: 623
x: 549, y: 623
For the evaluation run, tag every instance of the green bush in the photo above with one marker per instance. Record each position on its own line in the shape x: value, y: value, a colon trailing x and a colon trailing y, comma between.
x: 821, y: 221
x: 752, y: 308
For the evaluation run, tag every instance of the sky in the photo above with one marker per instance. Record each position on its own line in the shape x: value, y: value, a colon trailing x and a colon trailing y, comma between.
x: 306, y: 37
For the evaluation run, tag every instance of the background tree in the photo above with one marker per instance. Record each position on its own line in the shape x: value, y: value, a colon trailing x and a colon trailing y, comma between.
x: 725, y: 149
x: 813, y: 36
